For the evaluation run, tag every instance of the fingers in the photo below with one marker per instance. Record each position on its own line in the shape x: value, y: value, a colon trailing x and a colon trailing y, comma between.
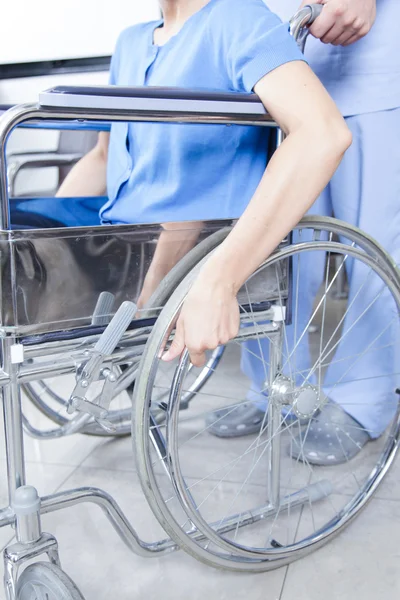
x: 351, y: 40
x: 196, y: 348
x: 178, y: 344
x: 197, y: 355
x: 199, y: 333
x: 340, y: 35
x: 338, y: 25
x: 324, y: 23
x: 198, y: 359
x: 330, y: 36
x: 344, y: 38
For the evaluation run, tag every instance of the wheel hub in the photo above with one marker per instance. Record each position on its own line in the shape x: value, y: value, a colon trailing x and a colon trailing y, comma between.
x: 305, y: 400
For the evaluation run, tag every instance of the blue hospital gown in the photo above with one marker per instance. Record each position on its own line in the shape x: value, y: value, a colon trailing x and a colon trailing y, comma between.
x: 171, y: 172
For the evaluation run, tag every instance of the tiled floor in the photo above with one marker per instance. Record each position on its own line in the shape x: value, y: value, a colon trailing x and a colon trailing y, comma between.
x: 361, y: 563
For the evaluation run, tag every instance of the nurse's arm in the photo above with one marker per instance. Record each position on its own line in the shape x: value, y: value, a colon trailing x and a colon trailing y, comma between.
x: 89, y: 176
x: 317, y: 138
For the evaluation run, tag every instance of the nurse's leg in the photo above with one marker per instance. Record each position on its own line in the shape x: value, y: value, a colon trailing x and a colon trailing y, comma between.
x: 361, y: 379
x: 308, y: 272
x: 366, y: 193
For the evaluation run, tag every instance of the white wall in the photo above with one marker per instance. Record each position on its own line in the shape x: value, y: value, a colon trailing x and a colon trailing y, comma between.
x: 32, y: 30
x: 27, y: 89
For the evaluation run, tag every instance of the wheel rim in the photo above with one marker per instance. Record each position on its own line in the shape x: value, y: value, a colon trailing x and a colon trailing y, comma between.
x: 380, y: 267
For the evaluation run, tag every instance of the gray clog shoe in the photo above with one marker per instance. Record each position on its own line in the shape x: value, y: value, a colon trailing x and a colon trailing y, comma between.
x: 333, y: 437
x: 236, y: 421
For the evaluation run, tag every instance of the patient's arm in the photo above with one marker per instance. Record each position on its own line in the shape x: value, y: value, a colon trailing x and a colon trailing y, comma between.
x: 174, y: 243
x: 89, y: 176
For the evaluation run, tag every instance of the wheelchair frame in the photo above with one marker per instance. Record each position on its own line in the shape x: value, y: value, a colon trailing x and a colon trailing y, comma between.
x: 22, y: 339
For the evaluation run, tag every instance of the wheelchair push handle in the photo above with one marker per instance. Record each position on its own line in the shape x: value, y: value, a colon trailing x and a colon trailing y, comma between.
x: 316, y: 10
x: 300, y: 22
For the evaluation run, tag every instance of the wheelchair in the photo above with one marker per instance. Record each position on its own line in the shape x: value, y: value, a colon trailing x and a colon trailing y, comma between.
x: 242, y: 504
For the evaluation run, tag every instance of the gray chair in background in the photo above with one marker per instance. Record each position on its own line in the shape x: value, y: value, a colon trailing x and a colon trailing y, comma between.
x: 73, y: 144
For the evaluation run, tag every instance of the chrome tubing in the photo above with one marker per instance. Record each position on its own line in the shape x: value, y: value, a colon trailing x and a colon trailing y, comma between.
x: 32, y: 372
x: 26, y: 112
x: 113, y: 513
x: 13, y: 432
x: 298, y: 25
x: 73, y: 426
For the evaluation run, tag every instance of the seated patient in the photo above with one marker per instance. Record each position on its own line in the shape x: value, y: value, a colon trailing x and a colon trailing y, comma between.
x: 168, y: 173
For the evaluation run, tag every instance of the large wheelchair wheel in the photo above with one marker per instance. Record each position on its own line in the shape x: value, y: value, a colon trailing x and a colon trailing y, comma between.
x: 50, y: 396
x: 259, y: 502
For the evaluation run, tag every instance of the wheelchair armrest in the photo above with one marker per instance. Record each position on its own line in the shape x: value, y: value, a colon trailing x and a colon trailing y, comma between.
x: 31, y: 160
x: 116, y: 99
x: 149, y: 99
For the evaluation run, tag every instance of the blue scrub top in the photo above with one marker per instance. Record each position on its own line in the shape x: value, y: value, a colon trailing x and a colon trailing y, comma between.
x: 365, y: 76
x: 173, y: 172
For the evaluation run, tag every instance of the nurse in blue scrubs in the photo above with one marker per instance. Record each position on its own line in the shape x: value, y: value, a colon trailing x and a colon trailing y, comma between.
x: 356, y: 54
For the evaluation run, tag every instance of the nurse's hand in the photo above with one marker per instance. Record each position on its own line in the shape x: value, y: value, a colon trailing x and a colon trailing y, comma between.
x: 343, y: 22
x: 209, y: 318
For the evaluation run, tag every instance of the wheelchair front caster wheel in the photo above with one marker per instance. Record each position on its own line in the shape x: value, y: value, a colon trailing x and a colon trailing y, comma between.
x: 45, y: 581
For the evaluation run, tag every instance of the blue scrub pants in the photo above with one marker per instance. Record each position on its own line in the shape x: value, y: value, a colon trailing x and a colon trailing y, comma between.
x: 365, y: 191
